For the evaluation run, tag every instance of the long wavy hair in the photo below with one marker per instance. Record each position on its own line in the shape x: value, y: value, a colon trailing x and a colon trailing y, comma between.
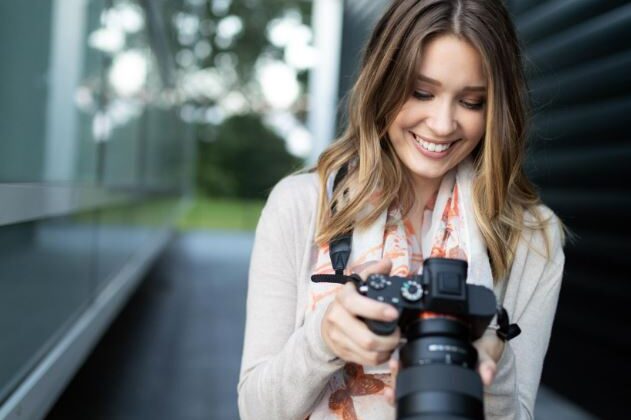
x: 501, y: 190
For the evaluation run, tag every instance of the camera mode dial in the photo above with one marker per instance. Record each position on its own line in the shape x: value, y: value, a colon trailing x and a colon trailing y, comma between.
x: 411, y: 290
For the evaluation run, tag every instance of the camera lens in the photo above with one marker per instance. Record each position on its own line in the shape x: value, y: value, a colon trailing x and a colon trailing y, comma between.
x: 437, y: 378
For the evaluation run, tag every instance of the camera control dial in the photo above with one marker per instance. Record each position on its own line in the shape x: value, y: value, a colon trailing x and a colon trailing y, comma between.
x: 411, y: 290
x: 378, y: 281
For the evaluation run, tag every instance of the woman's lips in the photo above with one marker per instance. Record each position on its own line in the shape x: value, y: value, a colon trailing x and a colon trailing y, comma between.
x: 440, y: 149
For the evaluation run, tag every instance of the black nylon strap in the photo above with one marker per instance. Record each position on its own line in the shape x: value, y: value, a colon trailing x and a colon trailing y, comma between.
x: 506, y: 331
x: 337, y: 278
x: 339, y: 176
x: 340, y: 251
x: 340, y: 246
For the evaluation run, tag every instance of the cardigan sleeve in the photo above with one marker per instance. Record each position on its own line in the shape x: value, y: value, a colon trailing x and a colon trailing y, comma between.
x: 531, y: 301
x: 284, y: 369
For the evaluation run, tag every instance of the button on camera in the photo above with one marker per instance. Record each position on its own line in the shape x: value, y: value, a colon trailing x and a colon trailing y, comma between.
x: 411, y: 290
x: 378, y: 281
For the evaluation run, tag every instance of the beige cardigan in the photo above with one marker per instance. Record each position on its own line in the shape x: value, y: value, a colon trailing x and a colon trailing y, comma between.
x: 286, y: 364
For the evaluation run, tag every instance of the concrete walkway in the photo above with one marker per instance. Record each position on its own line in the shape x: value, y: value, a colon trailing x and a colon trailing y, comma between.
x: 175, y: 350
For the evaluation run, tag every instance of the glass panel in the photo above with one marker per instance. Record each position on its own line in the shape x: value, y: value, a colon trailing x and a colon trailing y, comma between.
x: 164, y: 150
x: 81, y: 103
x: 126, y: 229
x: 88, y: 95
x: 25, y: 50
x: 50, y: 81
x: 46, y: 279
x: 117, y: 239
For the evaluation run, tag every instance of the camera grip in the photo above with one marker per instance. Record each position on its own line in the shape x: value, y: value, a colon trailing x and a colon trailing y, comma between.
x: 381, y: 327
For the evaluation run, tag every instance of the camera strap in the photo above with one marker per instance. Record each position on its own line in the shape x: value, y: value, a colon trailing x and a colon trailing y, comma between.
x: 339, y: 247
x: 505, y: 330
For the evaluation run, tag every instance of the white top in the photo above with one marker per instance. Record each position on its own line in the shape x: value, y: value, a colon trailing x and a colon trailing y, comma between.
x: 286, y: 364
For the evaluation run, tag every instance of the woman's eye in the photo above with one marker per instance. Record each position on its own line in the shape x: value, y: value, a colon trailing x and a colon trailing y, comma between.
x: 423, y: 96
x: 473, y: 105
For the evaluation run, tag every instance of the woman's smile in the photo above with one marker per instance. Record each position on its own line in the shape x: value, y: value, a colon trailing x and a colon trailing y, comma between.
x: 432, y: 149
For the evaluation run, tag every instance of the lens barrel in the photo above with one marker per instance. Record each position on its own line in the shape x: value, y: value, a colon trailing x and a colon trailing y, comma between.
x: 437, y: 378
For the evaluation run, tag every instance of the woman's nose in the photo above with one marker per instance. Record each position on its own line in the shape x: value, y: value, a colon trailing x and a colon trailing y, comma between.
x: 442, y: 121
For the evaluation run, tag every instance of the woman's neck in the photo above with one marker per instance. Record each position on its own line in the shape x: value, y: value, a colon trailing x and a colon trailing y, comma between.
x: 425, y: 189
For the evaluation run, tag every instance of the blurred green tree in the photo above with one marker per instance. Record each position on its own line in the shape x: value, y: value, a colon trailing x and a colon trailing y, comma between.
x: 219, y: 47
x: 242, y: 158
x: 252, y: 41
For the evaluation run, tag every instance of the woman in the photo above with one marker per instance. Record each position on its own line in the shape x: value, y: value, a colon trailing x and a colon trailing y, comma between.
x: 433, y: 152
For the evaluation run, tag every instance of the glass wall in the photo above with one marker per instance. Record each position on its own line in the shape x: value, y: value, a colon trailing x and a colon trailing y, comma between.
x: 94, y: 162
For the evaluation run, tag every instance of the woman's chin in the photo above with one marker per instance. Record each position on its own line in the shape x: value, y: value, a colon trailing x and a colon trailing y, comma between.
x: 430, y: 169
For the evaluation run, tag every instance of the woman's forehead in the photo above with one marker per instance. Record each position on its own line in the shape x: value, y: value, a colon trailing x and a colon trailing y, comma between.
x: 449, y: 61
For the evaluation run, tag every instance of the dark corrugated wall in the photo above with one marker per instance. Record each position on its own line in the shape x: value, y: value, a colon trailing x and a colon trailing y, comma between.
x: 578, y: 58
x: 360, y: 16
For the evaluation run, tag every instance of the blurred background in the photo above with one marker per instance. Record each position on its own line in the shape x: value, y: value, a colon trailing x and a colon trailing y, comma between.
x: 140, y: 138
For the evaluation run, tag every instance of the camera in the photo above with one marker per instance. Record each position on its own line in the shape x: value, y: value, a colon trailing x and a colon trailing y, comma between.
x: 439, y: 316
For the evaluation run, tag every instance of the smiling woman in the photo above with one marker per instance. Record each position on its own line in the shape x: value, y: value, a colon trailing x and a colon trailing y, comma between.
x: 429, y: 166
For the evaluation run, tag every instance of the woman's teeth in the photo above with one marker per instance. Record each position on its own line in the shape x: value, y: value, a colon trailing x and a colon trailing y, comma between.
x: 432, y: 147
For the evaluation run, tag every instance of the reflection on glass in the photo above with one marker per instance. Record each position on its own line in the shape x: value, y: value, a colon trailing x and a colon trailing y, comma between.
x: 45, y: 282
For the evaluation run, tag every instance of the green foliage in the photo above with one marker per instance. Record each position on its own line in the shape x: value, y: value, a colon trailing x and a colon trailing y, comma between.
x: 252, y: 41
x: 242, y: 158
x: 213, y: 213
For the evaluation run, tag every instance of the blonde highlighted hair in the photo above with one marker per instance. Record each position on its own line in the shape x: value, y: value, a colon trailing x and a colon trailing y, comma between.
x: 502, y: 192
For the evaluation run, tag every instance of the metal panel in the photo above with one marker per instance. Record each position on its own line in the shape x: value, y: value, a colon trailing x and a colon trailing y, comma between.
x: 593, y: 124
x: 595, y: 38
x: 359, y: 19
x: 581, y: 160
x: 554, y: 16
x: 28, y: 202
x: 594, y: 81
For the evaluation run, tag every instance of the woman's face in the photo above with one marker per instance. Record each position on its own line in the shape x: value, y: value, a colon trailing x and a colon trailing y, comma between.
x: 443, y: 120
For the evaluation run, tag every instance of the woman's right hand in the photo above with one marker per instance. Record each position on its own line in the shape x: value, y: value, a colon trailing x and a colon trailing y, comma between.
x: 349, y: 337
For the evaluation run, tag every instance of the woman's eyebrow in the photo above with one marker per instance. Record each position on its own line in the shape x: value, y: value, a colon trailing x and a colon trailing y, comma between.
x: 431, y: 81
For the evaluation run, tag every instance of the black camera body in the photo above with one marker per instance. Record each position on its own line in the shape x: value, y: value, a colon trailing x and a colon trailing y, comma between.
x: 440, y: 289
x: 439, y: 315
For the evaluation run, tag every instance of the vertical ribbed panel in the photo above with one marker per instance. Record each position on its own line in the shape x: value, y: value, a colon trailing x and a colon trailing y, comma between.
x: 578, y: 59
x: 360, y: 16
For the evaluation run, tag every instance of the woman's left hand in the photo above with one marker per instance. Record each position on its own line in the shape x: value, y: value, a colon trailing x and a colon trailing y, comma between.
x: 490, y: 349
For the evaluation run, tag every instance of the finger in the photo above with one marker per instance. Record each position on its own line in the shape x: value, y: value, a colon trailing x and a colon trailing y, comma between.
x: 357, y: 332
x: 383, y: 266
x: 362, y: 306
x: 486, y: 369
x: 357, y: 354
x: 368, y: 340
x: 388, y: 392
x: 393, y: 364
